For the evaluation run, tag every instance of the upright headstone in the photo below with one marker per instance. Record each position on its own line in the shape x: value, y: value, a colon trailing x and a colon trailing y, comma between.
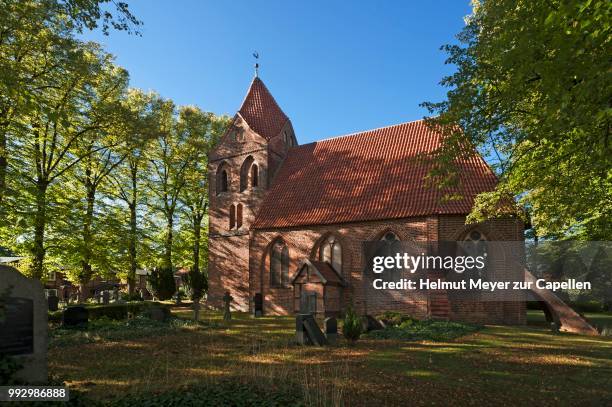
x: 331, y: 330
x: 258, y: 305
x: 301, y: 337
x: 314, y: 332
x: 75, y: 316
x: 307, y: 332
x: 53, y: 302
x: 227, y: 300
x: 23, y: 324
x: 105, y: 297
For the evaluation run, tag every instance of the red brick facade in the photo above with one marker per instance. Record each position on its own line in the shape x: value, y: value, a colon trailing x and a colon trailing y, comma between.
x: 240, y: 256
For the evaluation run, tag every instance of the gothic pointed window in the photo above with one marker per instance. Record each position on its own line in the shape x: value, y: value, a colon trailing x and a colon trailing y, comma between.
x: 223, y: 183
x: 475, y: 245
x: 245, y: 172
x: 279, y: 265
x: 331, y: 252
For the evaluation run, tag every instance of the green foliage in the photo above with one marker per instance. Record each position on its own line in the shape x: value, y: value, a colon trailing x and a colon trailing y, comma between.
x: 107, y: 329
x: 405, y: 328
x: 8, y: 369
x: 532, y: 92
x: 162, y: 283
x: 198, y: 284
x: 352, y: 326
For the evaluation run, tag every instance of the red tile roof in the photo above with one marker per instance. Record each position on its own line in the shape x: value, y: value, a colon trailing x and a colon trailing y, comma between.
x: 366, y: 176
x: 261, y: 111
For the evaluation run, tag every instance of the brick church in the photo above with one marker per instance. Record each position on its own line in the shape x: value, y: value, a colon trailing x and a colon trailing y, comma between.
x: 287, y: 221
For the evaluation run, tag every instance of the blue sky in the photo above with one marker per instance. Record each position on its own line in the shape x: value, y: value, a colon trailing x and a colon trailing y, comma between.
x: 334, y: 67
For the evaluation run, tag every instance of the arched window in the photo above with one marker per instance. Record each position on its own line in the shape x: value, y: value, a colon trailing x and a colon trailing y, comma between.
x: 390, y: 247
x: 279, y: 265
x: 254, y: 175
x: 475, y: 245
x: 222, y: 179
x: 239, y: 216
x: 331, y: 252
x: 245, y: 169
x: 232, y: 217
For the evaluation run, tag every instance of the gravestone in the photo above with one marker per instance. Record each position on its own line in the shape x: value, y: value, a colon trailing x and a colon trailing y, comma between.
x: 23, y: 324
x: 307, y: 331
x: 53, y: 302
x: 75, y: 316
x: 331, y: 330
x: 369, y: 323
x: 301, y: 337
x: 227, y: 300
x: 258, y: 305
x: 158, y: 313
x: 105, y: 297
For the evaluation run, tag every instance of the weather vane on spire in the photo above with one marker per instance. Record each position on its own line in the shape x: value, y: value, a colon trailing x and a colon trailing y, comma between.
x: 256, y: 55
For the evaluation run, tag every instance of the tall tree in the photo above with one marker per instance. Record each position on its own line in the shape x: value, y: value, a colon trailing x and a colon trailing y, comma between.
x: 129, y: 179
x: 532, y: 91
x: 169, y: 158
x: 204, y: 130
x: 71, y: 110
x: 28, y: 29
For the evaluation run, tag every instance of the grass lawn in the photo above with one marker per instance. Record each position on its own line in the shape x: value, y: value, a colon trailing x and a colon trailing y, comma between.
x: 500, y: 365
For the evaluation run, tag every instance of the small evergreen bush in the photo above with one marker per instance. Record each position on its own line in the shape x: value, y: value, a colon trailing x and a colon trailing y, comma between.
x: 351, y: 329
x: 162, y: 283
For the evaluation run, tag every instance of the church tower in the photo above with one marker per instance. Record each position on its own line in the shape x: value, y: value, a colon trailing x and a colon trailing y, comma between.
x: 241, y: 169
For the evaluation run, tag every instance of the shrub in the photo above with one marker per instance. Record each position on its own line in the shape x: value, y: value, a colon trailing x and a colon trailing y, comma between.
x: 415, y: 330
x: 393, y: 318
x: 162, y: 283
x: 8, y: 369
x: 351, y: 328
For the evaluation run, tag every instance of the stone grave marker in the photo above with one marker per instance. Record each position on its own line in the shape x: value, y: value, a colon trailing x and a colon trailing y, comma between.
x: 227, y: 300
x: 23, y: 324
x: 105, y: 297
x: 331, y: 330
x: 75, y: 316
x: 310, y: 331
x: 258, y: 305
x: 158, y: 313
x: 53, y: 302
x: 301, y: 337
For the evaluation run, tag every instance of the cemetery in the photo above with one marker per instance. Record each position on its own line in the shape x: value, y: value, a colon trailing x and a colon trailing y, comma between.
x: 394, y: 203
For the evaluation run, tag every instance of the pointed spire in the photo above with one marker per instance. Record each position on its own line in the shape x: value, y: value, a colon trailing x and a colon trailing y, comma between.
x: 261, y: 112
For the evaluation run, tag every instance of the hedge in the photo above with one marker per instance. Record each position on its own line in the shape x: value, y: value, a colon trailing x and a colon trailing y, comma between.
x: 112, y: 311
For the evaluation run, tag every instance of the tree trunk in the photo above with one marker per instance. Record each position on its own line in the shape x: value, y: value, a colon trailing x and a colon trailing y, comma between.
x: 197, y: 233
x: 86, y: 268
x: 3, y: 164
x: 40, y: 220
x: 131, y: 278
x: 196, y: 309
x: 169, y: 237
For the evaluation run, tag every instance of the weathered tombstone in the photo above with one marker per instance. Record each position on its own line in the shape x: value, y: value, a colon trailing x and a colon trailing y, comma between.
x: 23, y: 324
x: 158, y: 313
x: 53, y: 302
x: 301, y: 337
x: 75, y: 316
x: 227, y: 299
x: 105, y: 297
x: 258, y: 305
x: 331, y: 330
x: 314, y: 332
x: 369, y: 323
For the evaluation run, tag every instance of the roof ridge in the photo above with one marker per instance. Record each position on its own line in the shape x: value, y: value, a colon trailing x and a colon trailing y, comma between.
x: 357, y: 133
